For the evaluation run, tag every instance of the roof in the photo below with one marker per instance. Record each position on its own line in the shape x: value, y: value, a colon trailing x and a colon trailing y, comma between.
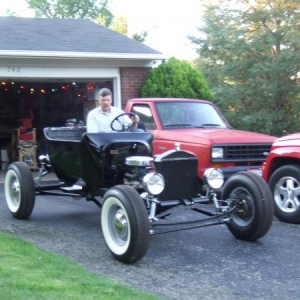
x: 66, y: 35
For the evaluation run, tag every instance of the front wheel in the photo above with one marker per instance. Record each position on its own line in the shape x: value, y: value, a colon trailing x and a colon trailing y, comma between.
x: 125, y: 224
x: 19, y: 190
x: 285, y: 187
x: 255, y: 208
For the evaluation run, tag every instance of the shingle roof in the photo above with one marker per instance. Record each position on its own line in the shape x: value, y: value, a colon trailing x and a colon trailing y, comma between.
x: 39, y: 34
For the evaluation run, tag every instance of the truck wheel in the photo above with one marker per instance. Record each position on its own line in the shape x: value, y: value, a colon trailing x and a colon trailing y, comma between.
x: 254, y: 215
x: 19, y: 190
x: 285, y: 187
x: 125, y: 224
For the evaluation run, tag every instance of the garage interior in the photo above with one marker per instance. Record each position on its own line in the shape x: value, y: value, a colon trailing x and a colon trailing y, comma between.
x: 26, y: 107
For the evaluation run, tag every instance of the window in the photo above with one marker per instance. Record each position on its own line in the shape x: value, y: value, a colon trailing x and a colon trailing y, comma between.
x: 188, y: 114
x: 145, y: 114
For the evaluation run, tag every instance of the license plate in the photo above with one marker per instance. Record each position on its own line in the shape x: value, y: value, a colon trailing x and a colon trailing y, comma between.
x: 256, y: 171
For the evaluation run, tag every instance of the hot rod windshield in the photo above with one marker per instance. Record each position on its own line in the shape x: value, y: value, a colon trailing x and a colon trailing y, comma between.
x: 187, y: 114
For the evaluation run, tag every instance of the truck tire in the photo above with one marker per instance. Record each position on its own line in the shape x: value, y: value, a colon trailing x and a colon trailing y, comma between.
x: 255, y: 208
x: 285, y: 187
x: 19, y: 190
x: 125, y: 224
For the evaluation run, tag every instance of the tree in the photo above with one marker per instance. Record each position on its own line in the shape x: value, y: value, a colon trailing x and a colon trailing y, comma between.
x: 120, y: 25
x: 249, y: 54
x: 140, y: 37
x: 72, y: 9
x: 96, y: 10
x: 175, y: 78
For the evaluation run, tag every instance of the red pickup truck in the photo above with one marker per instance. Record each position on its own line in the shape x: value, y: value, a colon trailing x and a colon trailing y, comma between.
x: 282, y: 172
x: 199, y: 127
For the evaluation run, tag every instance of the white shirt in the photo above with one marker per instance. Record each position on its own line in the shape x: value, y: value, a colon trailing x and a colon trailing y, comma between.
x: 99, y: 121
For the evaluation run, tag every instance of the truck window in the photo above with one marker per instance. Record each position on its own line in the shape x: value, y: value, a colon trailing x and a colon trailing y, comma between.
x: 188, y: 114
x: 145, y: 114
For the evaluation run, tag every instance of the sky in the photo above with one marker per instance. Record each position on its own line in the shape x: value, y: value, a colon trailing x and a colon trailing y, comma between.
x: 167, y: 22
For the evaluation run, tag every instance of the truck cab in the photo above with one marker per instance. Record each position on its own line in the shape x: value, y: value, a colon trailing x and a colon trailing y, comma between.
x: 200, y: 128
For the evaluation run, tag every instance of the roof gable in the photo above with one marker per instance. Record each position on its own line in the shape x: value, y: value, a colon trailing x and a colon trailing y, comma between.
x: 65, y: 35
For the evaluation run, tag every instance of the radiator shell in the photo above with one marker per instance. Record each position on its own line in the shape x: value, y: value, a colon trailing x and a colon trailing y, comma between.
x: 179, y: 169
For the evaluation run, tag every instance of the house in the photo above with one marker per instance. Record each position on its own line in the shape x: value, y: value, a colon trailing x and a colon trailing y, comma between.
x: 51, y: 69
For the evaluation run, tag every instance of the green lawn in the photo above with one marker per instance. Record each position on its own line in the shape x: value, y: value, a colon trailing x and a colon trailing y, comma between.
x: 28, y: 272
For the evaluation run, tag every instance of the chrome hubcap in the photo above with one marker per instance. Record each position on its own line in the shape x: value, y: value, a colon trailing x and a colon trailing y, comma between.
x: 15, y: 189
x: 120, y: 224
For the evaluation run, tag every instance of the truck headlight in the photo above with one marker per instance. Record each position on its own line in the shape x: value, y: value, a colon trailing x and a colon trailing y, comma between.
x: 154, y: 183
x: 217, y: 152
x: 214, y: 178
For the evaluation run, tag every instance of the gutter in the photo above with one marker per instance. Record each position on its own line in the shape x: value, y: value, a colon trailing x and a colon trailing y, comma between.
x: 82, y: 55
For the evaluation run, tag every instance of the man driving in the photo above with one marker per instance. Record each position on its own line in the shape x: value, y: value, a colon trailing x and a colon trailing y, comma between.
x: 99, y: 119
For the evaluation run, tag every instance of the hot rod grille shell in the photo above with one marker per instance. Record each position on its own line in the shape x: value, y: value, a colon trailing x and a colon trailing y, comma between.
x: 179, y: 169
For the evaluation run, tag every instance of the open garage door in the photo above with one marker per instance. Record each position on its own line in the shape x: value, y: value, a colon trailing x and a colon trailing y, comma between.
x: 47, y: 103
x: 37, y: 104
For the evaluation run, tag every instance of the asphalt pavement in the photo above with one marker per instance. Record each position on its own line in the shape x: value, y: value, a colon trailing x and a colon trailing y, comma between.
x: 206, y: 263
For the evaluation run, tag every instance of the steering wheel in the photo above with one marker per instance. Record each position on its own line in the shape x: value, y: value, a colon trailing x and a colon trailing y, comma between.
x: 117, y: 122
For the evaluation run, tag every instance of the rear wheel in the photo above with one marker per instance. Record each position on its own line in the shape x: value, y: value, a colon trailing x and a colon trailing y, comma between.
x: 125, y: 224
x: 19, y: 190
x: 255, y: 208
x: 285, y: 187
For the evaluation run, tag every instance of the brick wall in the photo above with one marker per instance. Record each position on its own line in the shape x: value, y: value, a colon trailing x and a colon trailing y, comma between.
x: 131, y: 81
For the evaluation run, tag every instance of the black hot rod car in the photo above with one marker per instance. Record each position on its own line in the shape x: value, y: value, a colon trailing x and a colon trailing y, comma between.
x: 137, y: 192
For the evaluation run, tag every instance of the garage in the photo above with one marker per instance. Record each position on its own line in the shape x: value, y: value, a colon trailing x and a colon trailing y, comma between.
x: 51, y: 70
x: 48, y: 103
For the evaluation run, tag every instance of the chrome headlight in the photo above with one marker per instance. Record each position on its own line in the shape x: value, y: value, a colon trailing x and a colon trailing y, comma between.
x: 214, y: 178
x: 217, y: 152
x: 154, y: 183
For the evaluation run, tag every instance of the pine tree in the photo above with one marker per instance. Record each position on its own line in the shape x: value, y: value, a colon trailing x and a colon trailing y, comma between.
x: 250, y: 55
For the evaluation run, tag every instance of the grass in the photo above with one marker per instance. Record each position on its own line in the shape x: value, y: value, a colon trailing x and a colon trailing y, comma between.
x: 28, y: 272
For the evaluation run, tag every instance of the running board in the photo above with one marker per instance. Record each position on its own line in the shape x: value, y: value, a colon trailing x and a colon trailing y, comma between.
x: 48, y: 185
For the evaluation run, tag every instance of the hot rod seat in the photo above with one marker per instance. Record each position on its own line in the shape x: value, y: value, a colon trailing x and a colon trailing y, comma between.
x: 92, y: 157
x: 64, y: 133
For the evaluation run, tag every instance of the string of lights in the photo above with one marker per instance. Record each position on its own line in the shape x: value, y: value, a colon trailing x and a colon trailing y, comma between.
x: 29, y: 88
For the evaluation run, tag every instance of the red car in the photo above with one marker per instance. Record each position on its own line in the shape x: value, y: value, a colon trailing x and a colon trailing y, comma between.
x: 282, y: 172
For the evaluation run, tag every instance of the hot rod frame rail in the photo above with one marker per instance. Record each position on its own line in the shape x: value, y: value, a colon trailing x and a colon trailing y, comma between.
x: 215, y: 218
